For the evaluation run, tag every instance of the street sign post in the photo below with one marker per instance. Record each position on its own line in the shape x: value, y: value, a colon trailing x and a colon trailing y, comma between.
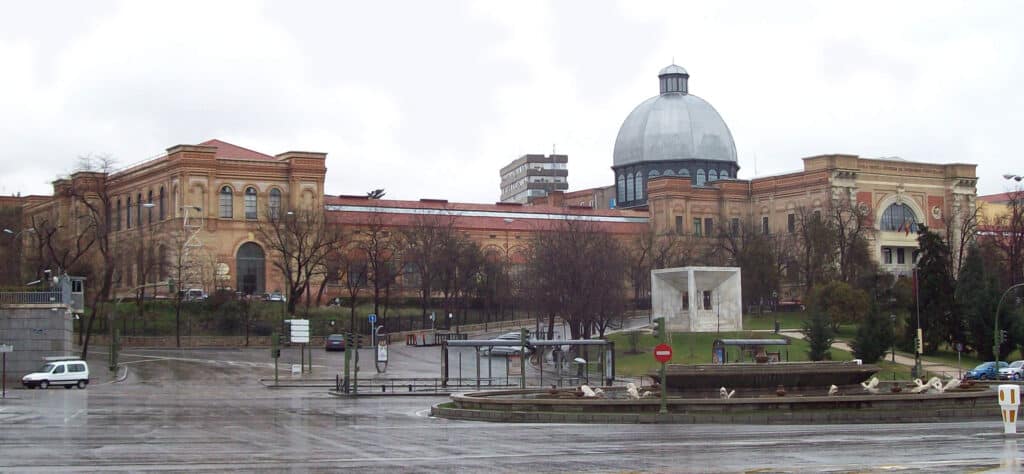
x: 663, y: 354
x: 372, y: 318
x: 4, y: 349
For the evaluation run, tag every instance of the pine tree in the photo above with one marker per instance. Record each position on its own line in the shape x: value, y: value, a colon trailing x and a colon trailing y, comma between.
x: 874, y: 336
x: 977, y: 293
x: 818, y: 332
x: 939, y: 322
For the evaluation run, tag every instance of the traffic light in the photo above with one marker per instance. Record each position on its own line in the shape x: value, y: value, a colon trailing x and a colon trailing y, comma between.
x: 275, y: 353
x: 1003, y: 336
x: 659, y: 329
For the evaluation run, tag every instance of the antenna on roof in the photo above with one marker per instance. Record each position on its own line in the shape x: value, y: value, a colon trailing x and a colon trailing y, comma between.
x: 553, y: 152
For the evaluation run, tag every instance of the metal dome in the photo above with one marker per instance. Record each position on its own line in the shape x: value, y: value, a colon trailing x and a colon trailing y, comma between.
x: 672, y: 69
x: 673, y: 126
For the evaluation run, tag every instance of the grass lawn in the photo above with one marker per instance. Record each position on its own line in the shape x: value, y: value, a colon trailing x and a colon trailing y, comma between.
x: 791, y: 320
x: 695, y: 348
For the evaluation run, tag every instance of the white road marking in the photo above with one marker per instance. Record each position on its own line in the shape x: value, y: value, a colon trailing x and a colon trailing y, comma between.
x: 72, y: 417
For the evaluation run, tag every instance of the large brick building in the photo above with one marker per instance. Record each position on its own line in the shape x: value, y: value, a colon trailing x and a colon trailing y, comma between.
x: 674, y: 171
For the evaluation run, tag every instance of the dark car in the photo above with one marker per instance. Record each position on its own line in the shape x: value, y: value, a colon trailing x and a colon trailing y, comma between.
x: 985, y: 371
x: 334, y: 342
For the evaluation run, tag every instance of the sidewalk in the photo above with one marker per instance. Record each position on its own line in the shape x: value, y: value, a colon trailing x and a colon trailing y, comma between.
x: 930, y: 367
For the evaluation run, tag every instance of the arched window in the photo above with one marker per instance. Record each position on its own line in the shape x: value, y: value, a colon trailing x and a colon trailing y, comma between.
x: 684, y: 172
x: 899, y: 217
x: 639, y: 185
x: 162, y: 263
x: 163, y: 214
x: 250, y: 203
x: 701, y: 179
x: 630, y: 187
x: 225, y: 203
x: 128, y: 217
x: 713, y: 175
x: 654, y: 174
x: 149, y: 210
x: 138, y: 209
x: 670, y: 173
x: 249, y: 264
x: 622, y: 188
x: 117, y: 225
x: 724, y: 175
x: 275, y: 202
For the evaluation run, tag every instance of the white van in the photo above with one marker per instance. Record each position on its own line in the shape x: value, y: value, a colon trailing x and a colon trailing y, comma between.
x: 59, y: 371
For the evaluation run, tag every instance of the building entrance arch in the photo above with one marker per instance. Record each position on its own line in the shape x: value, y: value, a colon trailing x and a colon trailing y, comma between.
x: 250, y: 264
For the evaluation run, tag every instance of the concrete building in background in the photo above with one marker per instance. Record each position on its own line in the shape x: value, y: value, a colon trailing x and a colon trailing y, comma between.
x: 534, y: 177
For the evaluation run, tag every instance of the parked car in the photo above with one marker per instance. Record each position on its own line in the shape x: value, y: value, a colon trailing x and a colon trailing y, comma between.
x: 985, y: 370
x: 69, y: 372
x: 194, y: 294
x: 513, y: 348
x: 1013, y: 371
x: 275, y: 297
x: 334, y: 342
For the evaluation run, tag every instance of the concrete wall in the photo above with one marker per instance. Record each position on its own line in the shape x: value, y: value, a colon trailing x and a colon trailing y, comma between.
x: 35, y: 331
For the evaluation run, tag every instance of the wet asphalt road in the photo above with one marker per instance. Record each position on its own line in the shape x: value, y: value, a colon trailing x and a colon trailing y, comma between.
x: 204, y: 410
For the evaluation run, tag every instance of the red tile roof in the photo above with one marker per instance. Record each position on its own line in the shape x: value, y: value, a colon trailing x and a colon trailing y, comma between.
x: 999, y: 198
x: 230, y: 151
x: 479, y: 217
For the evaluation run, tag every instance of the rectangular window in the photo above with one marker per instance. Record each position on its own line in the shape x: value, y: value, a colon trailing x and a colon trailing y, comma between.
x: 764, y: 225
x: 686, y: 300
x: 128, y: 214
x: 679, y: 225
x: 707, y: 299
x: 817, y: 214
x: 696, y: 227
x: 887, y: 255
x: 791, y: 223
x: 734, y: 226
x: 900, y: 256
x: 709, y: 227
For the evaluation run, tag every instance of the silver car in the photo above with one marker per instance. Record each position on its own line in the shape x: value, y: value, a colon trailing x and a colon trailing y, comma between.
x: 514, y: 346
x: 1013, y: 371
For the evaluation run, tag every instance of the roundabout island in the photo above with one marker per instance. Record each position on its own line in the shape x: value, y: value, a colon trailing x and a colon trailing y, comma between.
x: 739, y: 394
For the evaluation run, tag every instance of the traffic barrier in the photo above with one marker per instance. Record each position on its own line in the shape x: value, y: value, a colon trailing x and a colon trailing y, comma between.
x: 1009, y: 399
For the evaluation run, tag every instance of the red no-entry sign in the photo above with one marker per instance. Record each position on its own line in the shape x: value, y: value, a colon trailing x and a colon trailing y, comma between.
x: 663, y: 352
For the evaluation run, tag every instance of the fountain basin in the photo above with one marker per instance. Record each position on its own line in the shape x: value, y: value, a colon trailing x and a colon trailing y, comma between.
x: 791, y: 375
x: 537, y: 406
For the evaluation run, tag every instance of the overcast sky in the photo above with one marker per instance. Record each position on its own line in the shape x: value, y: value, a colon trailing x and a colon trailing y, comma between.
x: 430, y: 99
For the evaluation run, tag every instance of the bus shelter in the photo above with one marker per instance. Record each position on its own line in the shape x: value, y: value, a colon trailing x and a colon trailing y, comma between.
x: 748, y: 350
x: 606, y: 355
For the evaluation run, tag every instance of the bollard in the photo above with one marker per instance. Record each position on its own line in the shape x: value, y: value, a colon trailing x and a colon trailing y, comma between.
x: 1009, y: 399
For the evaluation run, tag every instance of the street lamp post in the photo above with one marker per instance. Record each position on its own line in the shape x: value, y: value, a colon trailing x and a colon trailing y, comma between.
x: 998, y: 339
x: 893, y: 318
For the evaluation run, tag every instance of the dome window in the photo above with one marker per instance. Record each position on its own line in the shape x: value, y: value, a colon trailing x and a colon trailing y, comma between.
x: 701, y: 179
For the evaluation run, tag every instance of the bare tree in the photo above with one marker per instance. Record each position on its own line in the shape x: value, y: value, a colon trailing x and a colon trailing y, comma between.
x: 380, y: 245
x: 91, y: 198
x: 961, y: 228
x: 424, y: 247
x: 574, y: 271
x: 301, y: 242
x: 850, y: 229
x: 814, y: 246
x: 1009, y: 236
x: 351, y: 262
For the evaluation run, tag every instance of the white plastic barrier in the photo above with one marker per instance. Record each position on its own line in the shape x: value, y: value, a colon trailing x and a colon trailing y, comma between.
x: 1009, y: 400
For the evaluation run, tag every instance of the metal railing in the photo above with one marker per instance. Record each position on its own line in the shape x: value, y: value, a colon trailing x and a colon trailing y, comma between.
x: 31, y: 297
